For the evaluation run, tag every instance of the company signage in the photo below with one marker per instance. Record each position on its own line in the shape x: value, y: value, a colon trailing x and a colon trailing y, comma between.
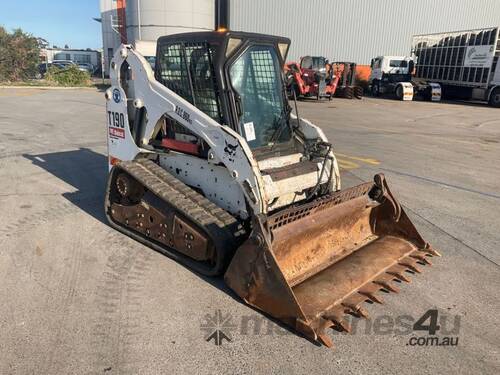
x: 479, y: 56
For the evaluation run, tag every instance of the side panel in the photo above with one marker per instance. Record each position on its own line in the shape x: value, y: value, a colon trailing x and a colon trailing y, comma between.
x: 215, y: 181
x: 480, y: 94
x: 121, y: 145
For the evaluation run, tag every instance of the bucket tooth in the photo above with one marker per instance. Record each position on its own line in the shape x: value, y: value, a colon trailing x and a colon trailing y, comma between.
x: 411, y: 265
x: 338, y: 321
x: 432, y: 252
x: 387, y: 285
x: 369, y: 288
x: 372, y: 296
x: 344, y: 325
x: 356, y: 309
x: 399, y: 276
x: 321, y: 334
x: 363, y: 313
x: 421, y: 258
x: 325, y: 340
x: 427, y: 261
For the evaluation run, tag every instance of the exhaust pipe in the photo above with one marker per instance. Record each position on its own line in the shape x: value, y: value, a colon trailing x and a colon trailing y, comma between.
x: 222, y: 15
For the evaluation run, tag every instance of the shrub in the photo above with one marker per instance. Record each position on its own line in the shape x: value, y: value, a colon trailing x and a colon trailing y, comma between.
x: 70, y: 76
x: 19, y: 55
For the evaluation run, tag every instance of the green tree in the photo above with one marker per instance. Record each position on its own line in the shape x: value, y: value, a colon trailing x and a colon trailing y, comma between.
x: 19, y: 55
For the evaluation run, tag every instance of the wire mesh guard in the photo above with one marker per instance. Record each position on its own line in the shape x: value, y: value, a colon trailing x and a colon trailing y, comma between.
x: 443, y: 56
x: 255, y: 76
x: 187, y: 69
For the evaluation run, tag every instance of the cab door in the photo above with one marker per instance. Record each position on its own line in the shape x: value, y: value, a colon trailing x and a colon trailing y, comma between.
x: 376, y: 66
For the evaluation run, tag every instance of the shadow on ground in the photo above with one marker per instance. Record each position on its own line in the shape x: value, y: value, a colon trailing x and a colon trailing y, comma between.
x: 85, y: 170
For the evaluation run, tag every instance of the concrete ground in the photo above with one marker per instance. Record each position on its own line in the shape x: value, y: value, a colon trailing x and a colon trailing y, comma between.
x: 78, y: 297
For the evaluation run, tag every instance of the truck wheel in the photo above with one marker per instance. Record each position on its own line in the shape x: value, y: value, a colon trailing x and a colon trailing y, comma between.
x: 375, y: 89
x: 495, y: 98
x: 399, y: 92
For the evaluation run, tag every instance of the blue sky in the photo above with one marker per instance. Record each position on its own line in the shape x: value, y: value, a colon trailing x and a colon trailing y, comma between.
x: 59, y: 21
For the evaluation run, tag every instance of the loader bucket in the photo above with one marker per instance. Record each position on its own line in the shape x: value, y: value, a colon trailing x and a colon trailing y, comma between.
x: 311, y: 264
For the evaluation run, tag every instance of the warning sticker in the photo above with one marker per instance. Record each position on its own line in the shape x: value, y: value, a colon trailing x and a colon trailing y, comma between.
x: 117, y: 132
x: 249, y: 131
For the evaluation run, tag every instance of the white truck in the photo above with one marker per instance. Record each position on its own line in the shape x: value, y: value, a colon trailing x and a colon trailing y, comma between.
x: 464, y: 63
x: 393, y: 75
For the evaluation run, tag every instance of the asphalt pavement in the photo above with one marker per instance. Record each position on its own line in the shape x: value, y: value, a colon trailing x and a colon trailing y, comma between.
x: 79, y: 297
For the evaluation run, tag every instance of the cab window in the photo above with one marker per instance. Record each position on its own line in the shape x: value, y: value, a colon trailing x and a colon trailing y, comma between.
x: 256, y: 77
x: 187, y: 70
x: 398, y: 64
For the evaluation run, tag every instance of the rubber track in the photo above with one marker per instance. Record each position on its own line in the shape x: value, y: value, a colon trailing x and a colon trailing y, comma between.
x: 218, y: 223
x: 222, y: 217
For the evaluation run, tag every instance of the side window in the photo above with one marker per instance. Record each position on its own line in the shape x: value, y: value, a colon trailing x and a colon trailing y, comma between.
x: 187, y: 70
x: 398, y: 64
x: 173, y: 135
x: 255, y: 75
x: 62, y: 56
x: 205, y: 92
x: 306, y: 63
x: 171, y: 129
x: 318, y: 63
x: 173, y: 70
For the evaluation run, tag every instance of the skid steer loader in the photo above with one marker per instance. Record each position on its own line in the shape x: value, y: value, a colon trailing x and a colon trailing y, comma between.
x: 209, y: 166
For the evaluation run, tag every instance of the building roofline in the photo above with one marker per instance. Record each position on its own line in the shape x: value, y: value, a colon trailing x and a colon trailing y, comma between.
x: 458, y: 31
x: 70, y: 49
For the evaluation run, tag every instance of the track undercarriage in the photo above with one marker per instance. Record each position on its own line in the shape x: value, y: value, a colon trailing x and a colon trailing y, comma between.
x: 149, y: 204
x: 307, y: 265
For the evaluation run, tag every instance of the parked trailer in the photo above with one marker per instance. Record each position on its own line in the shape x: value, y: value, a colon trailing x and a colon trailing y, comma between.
x: 464, y: 63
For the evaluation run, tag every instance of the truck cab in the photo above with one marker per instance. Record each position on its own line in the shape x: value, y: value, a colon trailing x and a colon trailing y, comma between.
x: 389, y: 70
x: 393, y: 75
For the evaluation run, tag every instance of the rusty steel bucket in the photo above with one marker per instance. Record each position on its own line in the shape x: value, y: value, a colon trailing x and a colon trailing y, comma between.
x: 311, y: 264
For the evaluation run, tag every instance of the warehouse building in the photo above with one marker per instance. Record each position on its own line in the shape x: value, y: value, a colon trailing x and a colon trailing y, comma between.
x: 355, y: 30
x: 359, y: 30
x: 80, y: 56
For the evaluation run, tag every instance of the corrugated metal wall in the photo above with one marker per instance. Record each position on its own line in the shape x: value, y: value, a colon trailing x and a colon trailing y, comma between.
x: 150, y: 19
x: 357, y: 30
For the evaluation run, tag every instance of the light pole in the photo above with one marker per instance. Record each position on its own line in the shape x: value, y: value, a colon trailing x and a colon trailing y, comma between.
x: 47, y: 58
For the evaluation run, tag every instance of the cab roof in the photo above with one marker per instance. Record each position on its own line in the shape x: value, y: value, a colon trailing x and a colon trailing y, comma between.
x: 221, y: 36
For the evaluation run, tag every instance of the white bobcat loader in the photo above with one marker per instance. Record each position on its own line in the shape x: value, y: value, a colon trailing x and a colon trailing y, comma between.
x: 209, y: 166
